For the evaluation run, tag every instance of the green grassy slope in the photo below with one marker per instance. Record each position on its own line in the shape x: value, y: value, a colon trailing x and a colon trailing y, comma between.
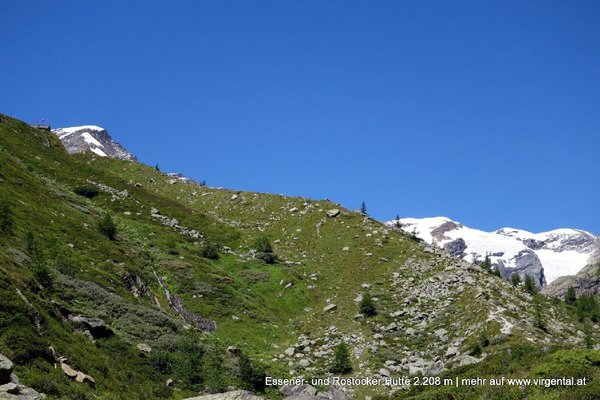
x: 427, y: 302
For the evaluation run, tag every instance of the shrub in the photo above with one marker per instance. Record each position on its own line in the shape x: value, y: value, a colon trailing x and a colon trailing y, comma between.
x: 210, y: 250
x: 162, y: 361
x: 367, y: 307
x: 252, y: 377
x: 341, y: 360
x: 86, y: 191
x: 263, y: 245
x: 214, y: 373
x: 107, y: 227
x: 6, y: 218
x: 264, y: 250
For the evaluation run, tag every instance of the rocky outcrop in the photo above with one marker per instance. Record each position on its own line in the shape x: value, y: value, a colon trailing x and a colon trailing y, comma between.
x: 456, y: 247
x: 10, y: 388
x: 199, y: 322
x: 96, y: 328
x: 526, y: 263
x: 586, y: 281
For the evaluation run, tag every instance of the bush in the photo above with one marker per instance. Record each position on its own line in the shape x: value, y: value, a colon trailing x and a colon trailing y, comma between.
x: 252, y: 377
x: 210, y: 250
x: 263, y: 245
x: 107, y: 227
x: 86, y: 191
x: 367, y: 307
x: 264, y: 250
x: 341, y: 361
x: 6, y: 218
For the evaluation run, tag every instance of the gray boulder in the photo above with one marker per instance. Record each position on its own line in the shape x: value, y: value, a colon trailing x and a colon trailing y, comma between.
x: 6, y: 368
x: 235, y: 395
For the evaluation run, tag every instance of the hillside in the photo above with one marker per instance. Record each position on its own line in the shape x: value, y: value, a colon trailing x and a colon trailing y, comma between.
x: 187, y: 290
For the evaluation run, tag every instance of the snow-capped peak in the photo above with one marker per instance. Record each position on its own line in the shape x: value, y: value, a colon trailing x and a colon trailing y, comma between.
x: 78, y: 139
x: 545, y: 255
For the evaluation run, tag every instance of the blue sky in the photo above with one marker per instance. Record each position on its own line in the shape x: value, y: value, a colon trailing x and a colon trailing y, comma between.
x: 487, y: 112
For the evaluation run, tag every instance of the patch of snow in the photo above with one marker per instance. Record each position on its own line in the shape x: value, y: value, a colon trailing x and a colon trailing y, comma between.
x: 90, y: 139
x: 98, y: 151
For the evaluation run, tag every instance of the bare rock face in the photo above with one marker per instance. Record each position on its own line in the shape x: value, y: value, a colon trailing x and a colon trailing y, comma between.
x: 586, y: 281
x: 79, y: 139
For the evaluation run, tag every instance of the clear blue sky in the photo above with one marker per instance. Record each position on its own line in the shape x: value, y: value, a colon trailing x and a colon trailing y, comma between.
x: 487, y: 112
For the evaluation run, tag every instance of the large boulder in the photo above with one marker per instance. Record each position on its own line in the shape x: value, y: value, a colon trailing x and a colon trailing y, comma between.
x: 235, y: 395
x: 96, y: 327
x: 6, y: 368
x: 298, y: 390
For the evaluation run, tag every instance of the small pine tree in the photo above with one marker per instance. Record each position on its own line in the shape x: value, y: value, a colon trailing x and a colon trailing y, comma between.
x: 571, y: 296
x: 37, y: 264
x: 363, y: 208
x: 156, y: 167
x: 496, y: 272
x: 6, y: 219
x: 539, y: 320
x: 487, y: 264
x: 107, y: 227
x: 397, y: 222
x: 515, y: 279
x: 341, y: 361
x: 529, y: 285
x: 367, y: 306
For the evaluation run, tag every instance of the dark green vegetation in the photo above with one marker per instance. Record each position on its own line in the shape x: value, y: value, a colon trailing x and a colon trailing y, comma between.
x: 341, y: 360
x: 261, y: 266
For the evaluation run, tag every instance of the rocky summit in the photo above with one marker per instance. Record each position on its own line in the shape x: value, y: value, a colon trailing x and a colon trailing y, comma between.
x: 79, y: 139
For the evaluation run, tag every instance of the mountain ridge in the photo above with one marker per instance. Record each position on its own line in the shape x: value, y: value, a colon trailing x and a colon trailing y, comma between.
x: 545, y: 255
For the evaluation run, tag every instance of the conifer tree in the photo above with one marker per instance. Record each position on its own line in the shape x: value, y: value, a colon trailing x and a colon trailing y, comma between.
x: 341, y: 361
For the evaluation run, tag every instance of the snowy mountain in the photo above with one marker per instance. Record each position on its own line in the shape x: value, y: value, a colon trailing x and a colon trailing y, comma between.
x: 545, y: 256
x: 78, y: 139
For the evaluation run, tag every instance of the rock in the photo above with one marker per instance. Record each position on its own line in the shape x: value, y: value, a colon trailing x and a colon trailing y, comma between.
x: 96, y: 327
x: 68, y: 370
x: 303, y: 363
x: 298, y: 390
x: 333, y: 394
x: 289, y: 351
x: 169, y: 382
x: 329, y: 307
x: 233, y: 351
x: 144, y: 348
x: 333, y: 213
x: 294, y: 209
x: 452, y: 352
x: 11, y: 388
x: 391, y: 327
x: 84, y: 378
x: 6, y: 367
x: 385, y: 372
x: 467, y: 360
x: 345, y: 248
x: 410, y: 331
x: 235, y: 395
x: 434, y: 368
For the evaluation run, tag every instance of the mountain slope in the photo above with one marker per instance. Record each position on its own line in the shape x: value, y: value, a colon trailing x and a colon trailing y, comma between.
x: 155, y: 284
x: 78, y: 139
x: 546, y: 255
